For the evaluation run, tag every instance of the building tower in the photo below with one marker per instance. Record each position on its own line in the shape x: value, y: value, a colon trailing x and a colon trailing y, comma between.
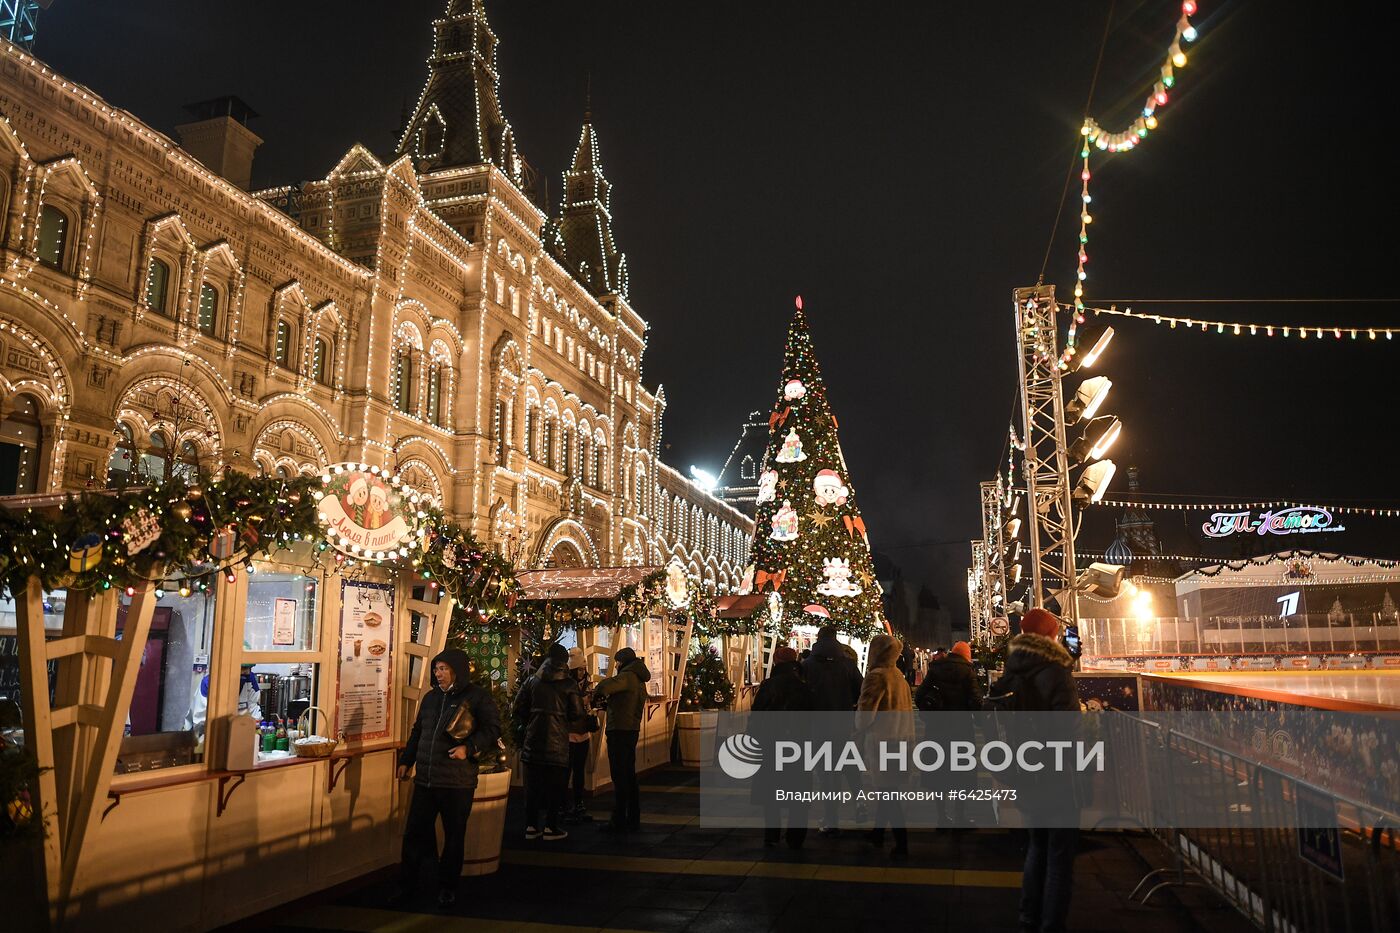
x: 457, y: 120
x: 737, y: 483
x: 582, y: 237
x: 1138, y: 534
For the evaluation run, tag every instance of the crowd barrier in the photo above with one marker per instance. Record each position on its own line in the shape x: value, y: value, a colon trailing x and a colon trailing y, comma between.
x: 1291, y: 880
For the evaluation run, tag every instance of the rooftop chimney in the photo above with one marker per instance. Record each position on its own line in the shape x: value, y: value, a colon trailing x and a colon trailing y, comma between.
x: 219, y: 137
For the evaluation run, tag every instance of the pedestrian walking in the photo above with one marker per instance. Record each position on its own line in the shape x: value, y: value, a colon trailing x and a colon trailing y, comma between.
x: 784, y: 692
x: 885, y: 713
x: 1038, y: 677
x: 950, y: 686
x: 548, y: 702
x: 580, y: 739
x: 624, y: 694
x: 834, y: 680
x: 456, y: 723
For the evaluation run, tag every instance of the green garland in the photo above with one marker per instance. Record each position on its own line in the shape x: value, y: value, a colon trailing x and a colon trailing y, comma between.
x: 181, y: 535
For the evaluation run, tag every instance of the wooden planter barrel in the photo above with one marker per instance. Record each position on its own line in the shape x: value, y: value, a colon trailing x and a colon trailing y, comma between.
x: 486, y: 825
x: 696, y: 733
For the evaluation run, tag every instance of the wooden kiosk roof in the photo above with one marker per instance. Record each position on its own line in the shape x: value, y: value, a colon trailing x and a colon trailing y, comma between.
x: 580, y: 582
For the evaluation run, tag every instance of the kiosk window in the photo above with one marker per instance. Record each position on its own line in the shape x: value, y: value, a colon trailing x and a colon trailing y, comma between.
x: 281, y: 612
x: 165, y: 723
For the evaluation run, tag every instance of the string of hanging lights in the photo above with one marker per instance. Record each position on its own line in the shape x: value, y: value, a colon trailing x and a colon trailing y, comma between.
x: 1242, y: 328
x: 1243, y: 506
x: 1125, y: 140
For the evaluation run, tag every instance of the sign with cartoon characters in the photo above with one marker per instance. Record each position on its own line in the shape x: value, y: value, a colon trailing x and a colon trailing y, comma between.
x: 365, y: 511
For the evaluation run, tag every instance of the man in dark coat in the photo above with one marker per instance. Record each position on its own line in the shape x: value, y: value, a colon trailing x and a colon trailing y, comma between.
x: 444, y: 773
x: 625, y: 696
x: 950, y: 683
x: 1038, y: 674
x: 548, y: 703
x: 784, y: 691
x: 835, y: 682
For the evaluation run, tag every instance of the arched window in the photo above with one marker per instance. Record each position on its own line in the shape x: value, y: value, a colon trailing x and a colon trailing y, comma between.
x: 123, y: 457
x: 157, y: 285
x: 53, y: 236
x: 748, y: 469
x: 208, y: 309
x: 284, y: 472
x: 321, y: 361
x: 21, y: 439
x: 600, y: 467
x: 154, y: 460
x: 583, y: 463
x: 187, y: 466
x: 435, y: 395
x: 404, y: 396
x: 502, y: 430
x: 282, y: 346
x: 532, y: 418
x: 566, y: 443
x: 547, y: 443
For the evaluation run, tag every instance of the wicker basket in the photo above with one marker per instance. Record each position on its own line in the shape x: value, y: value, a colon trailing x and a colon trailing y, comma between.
x: 314, y: 749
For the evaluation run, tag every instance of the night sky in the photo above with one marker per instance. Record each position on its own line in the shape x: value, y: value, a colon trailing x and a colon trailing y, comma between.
x: 899, y: 165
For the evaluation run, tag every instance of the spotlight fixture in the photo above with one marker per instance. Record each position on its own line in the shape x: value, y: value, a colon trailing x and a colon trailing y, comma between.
x: 1094, y: 340
x: 1099, y: 435
x: 1012, y: 529
x: 1102, y: 580
x: 1093, y: 482
x: 1087, y: 399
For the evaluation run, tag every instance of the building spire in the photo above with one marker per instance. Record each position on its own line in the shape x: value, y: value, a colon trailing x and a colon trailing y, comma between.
x: 458, y: 119
x: 582, y: 238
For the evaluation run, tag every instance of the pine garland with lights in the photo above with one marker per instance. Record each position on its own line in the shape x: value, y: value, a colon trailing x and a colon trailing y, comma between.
x: 707, y: 684
x: 810, y: 543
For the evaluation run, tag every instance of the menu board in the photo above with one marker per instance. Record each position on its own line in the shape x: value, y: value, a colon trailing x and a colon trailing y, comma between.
x: 656, y: 655
x: 366, y: 634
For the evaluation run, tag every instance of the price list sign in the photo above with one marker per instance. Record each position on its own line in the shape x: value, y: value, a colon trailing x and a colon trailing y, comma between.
x: 366, y: 632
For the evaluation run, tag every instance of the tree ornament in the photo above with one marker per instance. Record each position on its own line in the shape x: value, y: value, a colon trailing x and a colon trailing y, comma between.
x: 85, y: 553
x: 182, y: 511
x: 791, y: 451
x: 141, y: 529
x: 838, y: 578
x: 785, y: 523
x: 767, y: 486
x: 194, y: 493
x: 794, y: 391
x: 221, y: 545
x: 829, y: 489
x: 746, y: 582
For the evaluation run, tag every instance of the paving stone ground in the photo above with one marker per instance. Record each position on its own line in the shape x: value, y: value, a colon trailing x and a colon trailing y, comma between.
x: 675, y: 875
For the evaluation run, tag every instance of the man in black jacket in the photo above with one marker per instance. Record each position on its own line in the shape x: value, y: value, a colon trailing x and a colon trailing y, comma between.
x: 548, y: 704
x: 782, y: 691
x: 835, y: 683
x: 950, y: 683
x: 444, y: 773
x: 1038, y: 674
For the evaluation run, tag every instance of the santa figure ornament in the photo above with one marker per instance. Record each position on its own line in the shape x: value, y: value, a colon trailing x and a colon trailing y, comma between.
x: 828, y: 488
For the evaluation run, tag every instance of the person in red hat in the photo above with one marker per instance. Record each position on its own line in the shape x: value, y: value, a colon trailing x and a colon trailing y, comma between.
x: 1038, y: 677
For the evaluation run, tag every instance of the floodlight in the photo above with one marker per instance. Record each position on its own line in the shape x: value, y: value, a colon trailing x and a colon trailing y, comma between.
x: 1102, y: 580
x: 1087, y: 400
x: 1015, y: 574
x: 704, y: 479
x: 1093, y: 341
x: 1099, y: 435
x: 1012, y: 529
x: 1013, y: 553
x: 1093, y: 482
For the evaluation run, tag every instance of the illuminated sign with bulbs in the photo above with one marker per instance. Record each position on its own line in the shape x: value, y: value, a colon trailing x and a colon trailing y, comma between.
x: 1302, y: 519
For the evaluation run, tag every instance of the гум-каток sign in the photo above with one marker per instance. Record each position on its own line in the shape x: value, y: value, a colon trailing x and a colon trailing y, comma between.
x: 1302, y: 519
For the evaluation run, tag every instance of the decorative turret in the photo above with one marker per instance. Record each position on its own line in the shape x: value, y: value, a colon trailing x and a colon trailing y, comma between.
x: 457, y: 120
x: 581, y: 238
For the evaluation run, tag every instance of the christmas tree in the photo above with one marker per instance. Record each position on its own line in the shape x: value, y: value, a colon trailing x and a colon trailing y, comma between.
x: 810, y: 545
x: 706, y: 684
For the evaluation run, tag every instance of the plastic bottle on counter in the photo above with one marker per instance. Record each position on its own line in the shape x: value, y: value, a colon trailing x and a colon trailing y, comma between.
x: 282, y: 743
x: 269, y: 739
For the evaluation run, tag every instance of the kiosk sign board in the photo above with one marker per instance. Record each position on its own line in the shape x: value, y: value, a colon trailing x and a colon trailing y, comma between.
x: 366, y: 634
x: 365, y: 511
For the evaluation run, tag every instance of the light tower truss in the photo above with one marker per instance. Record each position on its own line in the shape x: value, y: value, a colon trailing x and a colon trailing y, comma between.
x: 979, y: 602
x: 1050, y: 511
x: 993, y: 547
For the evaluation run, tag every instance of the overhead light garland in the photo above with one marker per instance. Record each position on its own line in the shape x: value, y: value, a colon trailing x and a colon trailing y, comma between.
x: 1355, y: 562
x: 1242, y: 506
x: 1096, y: 137
x: 1240, y: 328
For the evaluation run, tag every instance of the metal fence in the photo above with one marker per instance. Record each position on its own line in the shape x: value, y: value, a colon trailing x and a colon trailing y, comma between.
x: 1228, y: 635
x: 1297, y: 880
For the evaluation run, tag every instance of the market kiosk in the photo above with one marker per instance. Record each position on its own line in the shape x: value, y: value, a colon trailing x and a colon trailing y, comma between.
x: 601, y: 611
x: 217, y: 744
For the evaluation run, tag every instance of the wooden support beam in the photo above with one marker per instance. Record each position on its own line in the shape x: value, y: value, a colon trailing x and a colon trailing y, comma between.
x: 98, y: 645
x: 97, y: 777
x: 38, y: 729
x: 84, y: 714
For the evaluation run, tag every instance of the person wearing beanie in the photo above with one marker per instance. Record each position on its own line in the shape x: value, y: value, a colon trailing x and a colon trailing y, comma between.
x: 444, y: 771
x: 1038, y: 677
x: 783, y: 691
x: 950, y: 685
x: 625, y: 696
x: 580, y: 739
x: 546, y: 704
